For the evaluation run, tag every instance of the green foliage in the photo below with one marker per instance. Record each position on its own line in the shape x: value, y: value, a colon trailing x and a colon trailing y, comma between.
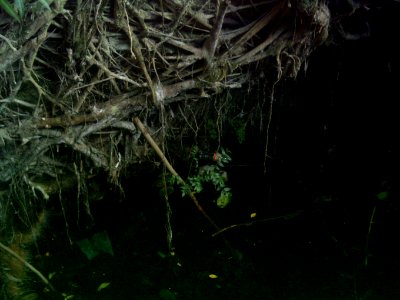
x: 212, y: 173
x: 45, y: 3
x: 17, y: 11
x: 186, y: 190
x: 382, y: 195
x: 222, y: 157
x: 225, y: 198
x: 19, y: 4
x: 9, y: 9
x: 103, y: 285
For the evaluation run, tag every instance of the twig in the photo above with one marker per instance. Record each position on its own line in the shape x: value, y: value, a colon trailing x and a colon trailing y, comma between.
x: 9, y: 43
x: 371, y: 221
x: 165, y: 161
x: 288, y: 216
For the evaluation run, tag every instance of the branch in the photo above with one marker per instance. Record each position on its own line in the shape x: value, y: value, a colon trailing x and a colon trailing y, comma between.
x: 212, y: 42
x: 285, y: 217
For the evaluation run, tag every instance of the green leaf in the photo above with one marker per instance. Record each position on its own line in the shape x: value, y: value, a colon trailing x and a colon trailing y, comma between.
x: 9, y: 10
x: 162, y: 254
x: 185, y: 190
x: 224, y: 199
x: 103, y: 286
x: 51, y: 275
x: 195, y: 183
x: 383, y: 195
x: 45, y: 4
x: 99, y: 243
x: 20, y: 7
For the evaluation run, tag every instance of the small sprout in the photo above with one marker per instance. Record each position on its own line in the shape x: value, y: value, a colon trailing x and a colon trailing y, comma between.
x: 213, y: 276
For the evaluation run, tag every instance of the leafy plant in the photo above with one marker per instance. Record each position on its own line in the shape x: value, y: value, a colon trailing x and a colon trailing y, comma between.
x: 9, y: 9
x: 223, y: 157
x: 211, y: 173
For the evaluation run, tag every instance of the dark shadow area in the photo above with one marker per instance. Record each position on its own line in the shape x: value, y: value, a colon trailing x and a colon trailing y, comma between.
x: 332, y: 171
